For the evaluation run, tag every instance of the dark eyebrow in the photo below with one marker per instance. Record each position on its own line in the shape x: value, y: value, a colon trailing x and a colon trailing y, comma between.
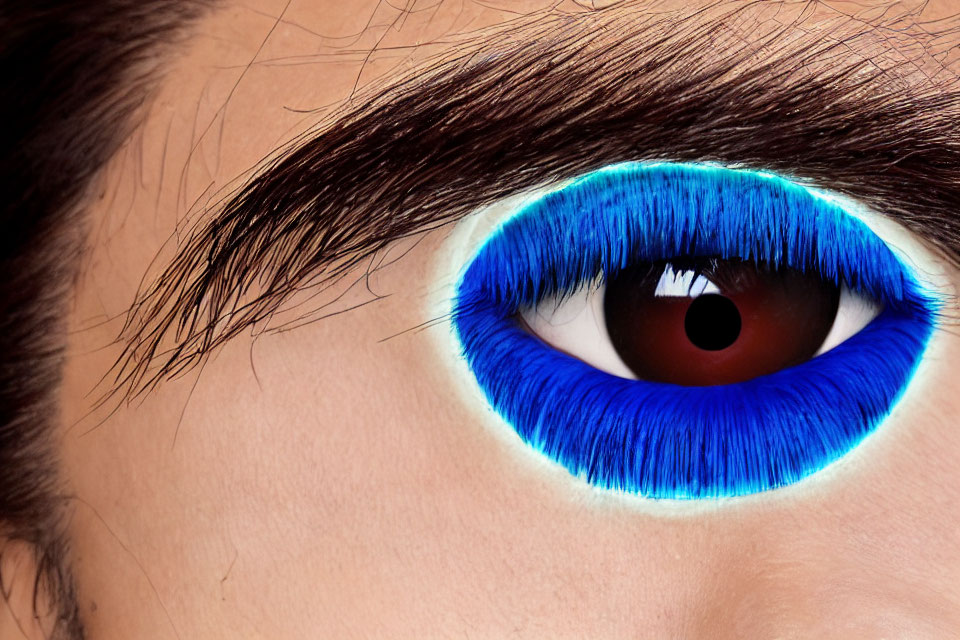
x: 557, y: 97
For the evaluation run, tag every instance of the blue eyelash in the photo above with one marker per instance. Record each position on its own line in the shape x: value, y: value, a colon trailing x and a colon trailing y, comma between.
x: 667, y: 441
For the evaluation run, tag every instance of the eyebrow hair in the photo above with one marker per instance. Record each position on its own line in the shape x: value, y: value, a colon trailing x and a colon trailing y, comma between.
x: 561, y: 95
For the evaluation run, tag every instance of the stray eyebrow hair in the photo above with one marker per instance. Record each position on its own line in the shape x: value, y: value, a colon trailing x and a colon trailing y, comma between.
x: 564, y: 95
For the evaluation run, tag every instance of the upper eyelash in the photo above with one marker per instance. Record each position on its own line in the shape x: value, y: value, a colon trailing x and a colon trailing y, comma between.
x: 573, y: 272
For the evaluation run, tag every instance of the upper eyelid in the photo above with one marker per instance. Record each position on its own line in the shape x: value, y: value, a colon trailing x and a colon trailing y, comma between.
x: 925, y: 264
x: 449, y: 147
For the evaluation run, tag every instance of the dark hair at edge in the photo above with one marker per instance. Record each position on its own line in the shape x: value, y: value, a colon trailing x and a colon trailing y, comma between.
x: 73, y: 76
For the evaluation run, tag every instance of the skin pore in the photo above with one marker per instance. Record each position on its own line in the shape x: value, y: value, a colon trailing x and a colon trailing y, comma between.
x: 334, y: 481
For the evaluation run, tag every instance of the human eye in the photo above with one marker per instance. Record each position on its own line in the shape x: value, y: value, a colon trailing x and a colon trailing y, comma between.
x: 690, y: 331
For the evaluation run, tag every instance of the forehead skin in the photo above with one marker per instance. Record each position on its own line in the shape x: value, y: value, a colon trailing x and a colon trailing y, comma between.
x: 324, y: 482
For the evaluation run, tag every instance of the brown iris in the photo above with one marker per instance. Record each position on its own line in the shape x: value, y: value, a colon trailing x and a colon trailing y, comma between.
x: 761, y: 320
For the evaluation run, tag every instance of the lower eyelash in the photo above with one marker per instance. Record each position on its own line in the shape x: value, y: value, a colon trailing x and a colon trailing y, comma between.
x: 666, y: 441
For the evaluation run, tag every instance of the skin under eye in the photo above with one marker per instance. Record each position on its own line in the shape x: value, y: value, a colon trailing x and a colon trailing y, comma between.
x: 785, y: 408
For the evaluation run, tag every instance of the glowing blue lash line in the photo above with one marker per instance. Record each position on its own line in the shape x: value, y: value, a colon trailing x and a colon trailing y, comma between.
x: 667, y: 441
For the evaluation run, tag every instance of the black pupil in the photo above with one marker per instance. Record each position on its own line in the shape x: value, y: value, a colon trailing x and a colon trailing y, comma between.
x: 712, y: 322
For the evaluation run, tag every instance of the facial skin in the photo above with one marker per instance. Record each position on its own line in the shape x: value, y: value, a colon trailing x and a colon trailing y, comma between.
x: 326, y: 482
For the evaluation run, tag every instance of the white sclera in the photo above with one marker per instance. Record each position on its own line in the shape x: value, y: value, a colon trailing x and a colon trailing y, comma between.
x: 577, y: 326
x: 854, y: 312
